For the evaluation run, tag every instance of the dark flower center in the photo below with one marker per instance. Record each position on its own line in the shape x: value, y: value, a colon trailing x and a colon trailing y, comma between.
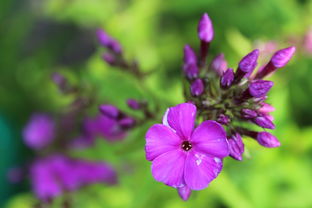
x: 186, y: 145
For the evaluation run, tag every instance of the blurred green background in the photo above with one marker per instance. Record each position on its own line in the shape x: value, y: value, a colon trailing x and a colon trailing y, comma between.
x: 40, y: 37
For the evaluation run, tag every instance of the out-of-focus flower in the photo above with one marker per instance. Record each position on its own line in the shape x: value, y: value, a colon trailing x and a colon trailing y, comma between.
x: 56, y: 174
x: 183, y: 156
x: 39, y: 131
x: 205, y: 29
x: 108, y: 42
x: 307, y: 41
x: 219, y: 64
x: 190, y: 63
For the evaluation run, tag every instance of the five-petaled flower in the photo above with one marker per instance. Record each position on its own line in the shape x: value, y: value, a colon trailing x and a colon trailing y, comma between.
x: 184, y: 157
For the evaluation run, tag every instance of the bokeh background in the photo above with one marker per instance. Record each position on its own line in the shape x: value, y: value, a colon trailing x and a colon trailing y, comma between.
x: 41, y: 37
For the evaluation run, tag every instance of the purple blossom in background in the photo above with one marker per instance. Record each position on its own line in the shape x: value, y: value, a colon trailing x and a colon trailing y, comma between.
x: 205, y: 29
x: 183, y: 156
x: 39, y: 131
x: 108, y: 42
x: 56, y: 174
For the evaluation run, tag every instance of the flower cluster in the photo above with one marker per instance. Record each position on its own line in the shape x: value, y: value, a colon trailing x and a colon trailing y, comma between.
x: 190, y: 160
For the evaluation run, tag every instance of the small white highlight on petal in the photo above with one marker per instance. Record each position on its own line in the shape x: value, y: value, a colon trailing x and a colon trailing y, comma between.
x: 217, y: 160
x: 199, y: 158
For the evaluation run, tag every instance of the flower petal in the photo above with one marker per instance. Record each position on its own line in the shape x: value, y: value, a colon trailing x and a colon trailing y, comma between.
x: 200, y: 170
x: 168, y: 168
x: 210, y: 138
x: 181, y: 118
x: 160, y: 139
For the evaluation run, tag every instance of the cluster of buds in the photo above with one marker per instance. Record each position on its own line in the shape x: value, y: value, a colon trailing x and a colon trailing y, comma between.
x: 114, y: 55
x: 232, y: 96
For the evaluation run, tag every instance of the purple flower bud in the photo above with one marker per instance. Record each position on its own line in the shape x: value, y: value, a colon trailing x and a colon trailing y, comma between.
x: 259, y: 88
x: 227, y: 78
x: 205, y: 29
x: 108, y: 42
x: 248, y: 114
x: 224, y: 119
x: 236, y: 146
x: 189, y: 56
x: 282, y: 57
x: 109, y: 59
x: 266, y: 108
x: 184, y: 192
x: 247, y: 65
x: 267, y: 140
x: 197, y: 87
x: 191, y: 71
x: 134, y: 104
x: 219, y: 64
x: 109, y: 110
x: 127, y: 122
x: 39, y: 131
x: 264, y: 122
x: 190, y: 63
x: 278, y: 60
x: 59, y: 80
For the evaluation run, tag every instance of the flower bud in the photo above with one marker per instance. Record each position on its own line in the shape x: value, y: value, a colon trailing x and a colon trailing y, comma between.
x: 282, y: 57
x: 264, y: 122
x: 266, y: 108
x: 133, y: 104
x: 205, y: 29
x: 236, y: 146
x: 247, y: 65
x: 267, y: 140
x: 109, y: 110
x: 223, y: 119
x: 197, y: 87
x: 108, y: 42
x: 191, y: 71
x: 189, y: 55
x: 184, y: 192
x: 109, y: 59
x: 219, y: 64
x: 227, y: 78
x: 127, y: 122
x: 259, y: 88
x: 248, y: 114
x: 278, y: 60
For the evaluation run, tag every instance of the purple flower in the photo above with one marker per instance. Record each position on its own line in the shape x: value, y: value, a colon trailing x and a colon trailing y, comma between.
x: 183, y: 156
x: 219, y: 64
x: 267, y: 140
x: 109, y: 110
x: 236, y: 146
x: 260, y: 88
x: 247, y: 65
x: 39, y: 131
x: 278, y: 60
x: 197, y: 87
x: 205, y: 29
x: 264, y: 122
x: 108, y: 42
x: 55, y: 174
x: 227, y: 78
